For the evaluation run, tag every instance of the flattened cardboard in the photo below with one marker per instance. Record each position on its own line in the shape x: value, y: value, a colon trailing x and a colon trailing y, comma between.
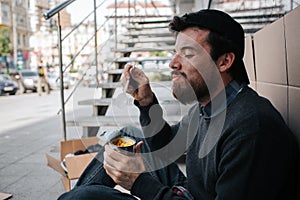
x: 270, y: 56
x: 55, y: 164
x: 66, y: 182
x: 248, y: 58
x: 292, y: 32
x: 77, y: 164
x: 4, y: 196
x: 71, y: 146
x: 277, y: 94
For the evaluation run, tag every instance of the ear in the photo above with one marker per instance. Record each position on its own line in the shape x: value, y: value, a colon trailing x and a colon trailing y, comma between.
x: 225, y: 61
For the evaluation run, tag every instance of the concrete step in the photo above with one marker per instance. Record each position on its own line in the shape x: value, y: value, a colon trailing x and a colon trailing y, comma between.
x: 142, y: 17
x: 254, y: 20
x: 146, y: 49
x: 151, y: 26
x: 150, y: 33
x: 150, y: 21
x: 108, y: 102
x: 258, y: 16
x: 100, y: 106
x: 100, y: 121
x: 146, y: 70
x: 96, y: 102
x: 114, y: 85
x: 141, y: 59
x: 109, y: 88
x: 266, y: 8
x: 168, y: 40
x: 115, y: 74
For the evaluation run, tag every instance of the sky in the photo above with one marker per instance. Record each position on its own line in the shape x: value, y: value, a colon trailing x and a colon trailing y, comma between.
x: 80, y: 8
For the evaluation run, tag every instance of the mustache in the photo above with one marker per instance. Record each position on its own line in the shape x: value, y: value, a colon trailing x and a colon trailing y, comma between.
x: 179, y: 74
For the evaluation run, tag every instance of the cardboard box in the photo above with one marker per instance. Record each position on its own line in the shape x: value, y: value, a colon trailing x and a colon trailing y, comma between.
x: 4, y: 196
x: 76, y: 164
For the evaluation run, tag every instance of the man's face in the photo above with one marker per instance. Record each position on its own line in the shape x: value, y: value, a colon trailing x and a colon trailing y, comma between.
x: 195, y: 74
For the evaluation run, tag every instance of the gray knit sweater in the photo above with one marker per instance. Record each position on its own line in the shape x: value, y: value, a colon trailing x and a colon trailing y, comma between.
x: 252, y: 155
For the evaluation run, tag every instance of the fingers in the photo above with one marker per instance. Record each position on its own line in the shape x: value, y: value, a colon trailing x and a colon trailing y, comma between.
x: 112, y: 172
x: 111, y: 161
x: 125, y: 180
x: 126, y: 80
x: 128, y: 67
x: 112, y: 153
x: 139, y: 87
x: 139, y: 76
x: 123, y: 169
x: 138, y: 147
x: 126, y: 75
x: 115, y: 158
x: 130, y: 71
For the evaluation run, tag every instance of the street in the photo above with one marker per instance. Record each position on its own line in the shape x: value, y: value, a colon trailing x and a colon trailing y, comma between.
x: 30, y: 127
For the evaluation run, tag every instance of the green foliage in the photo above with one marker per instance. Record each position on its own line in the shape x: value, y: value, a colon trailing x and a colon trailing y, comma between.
x: 158, y: 53
x: 159, y: 77
x: 73, y: 71
x: 72, y: 61
x: 5, y: 46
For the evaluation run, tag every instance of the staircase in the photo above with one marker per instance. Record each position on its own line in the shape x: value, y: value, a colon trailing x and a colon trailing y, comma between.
x: 146, y: 43
x: 252, y: 14
x: 142, y: 38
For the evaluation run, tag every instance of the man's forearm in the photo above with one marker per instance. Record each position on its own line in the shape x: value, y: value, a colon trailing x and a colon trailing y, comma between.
x: 156, y: 131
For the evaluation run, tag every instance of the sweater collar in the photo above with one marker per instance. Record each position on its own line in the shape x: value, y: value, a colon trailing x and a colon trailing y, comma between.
x: 231, y: 91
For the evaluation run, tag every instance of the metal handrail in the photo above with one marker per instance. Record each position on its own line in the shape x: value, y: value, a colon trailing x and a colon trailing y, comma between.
x: 83, y: 46
x: 85, y: 72
x: 83, y: 75
x: 62, y: 69
x: 57, y: 9
x: 80, y: 80
x: 209, y: 4
x: 153, y: 4
x: 50, y: 14
x: 81, y: 22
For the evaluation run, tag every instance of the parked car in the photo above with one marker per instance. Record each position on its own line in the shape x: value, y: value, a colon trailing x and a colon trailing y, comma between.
x: 54, y: 81
x: 29, y: 80
x: 7, y: 85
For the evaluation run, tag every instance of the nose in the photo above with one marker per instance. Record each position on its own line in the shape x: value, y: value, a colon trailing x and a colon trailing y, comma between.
x: 175, y: 62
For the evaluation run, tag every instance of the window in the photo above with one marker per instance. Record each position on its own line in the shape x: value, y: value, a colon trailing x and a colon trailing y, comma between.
x: 19, y: 39
x: 5, y: 14
x: 24, y: 40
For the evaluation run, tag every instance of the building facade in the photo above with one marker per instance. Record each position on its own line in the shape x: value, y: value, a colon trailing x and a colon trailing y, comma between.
x: 14, y: 15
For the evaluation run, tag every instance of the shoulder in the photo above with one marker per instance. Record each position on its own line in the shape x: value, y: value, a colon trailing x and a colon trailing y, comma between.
x: 253, y: 116
x: 248, y: 105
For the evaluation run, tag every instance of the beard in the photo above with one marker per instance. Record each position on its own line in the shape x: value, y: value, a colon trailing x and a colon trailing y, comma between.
x: 187, y: 92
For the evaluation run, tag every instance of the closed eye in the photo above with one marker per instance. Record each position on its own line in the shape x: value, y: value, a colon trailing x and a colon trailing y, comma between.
x: 189, y: 56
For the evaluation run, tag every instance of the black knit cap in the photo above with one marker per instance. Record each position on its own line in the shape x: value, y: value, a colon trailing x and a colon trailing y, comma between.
x: 223, y: 24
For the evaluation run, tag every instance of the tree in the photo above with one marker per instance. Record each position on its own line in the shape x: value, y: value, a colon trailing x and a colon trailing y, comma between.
x: 72, y: 62
x: 5, y: 46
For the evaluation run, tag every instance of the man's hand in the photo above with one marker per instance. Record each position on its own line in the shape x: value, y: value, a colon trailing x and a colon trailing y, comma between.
x: 139, y: 86
x: 123, y: 169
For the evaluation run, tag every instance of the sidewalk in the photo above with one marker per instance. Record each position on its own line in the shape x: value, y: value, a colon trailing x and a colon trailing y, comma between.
x: 23, y: 167
x: 29, y: 129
